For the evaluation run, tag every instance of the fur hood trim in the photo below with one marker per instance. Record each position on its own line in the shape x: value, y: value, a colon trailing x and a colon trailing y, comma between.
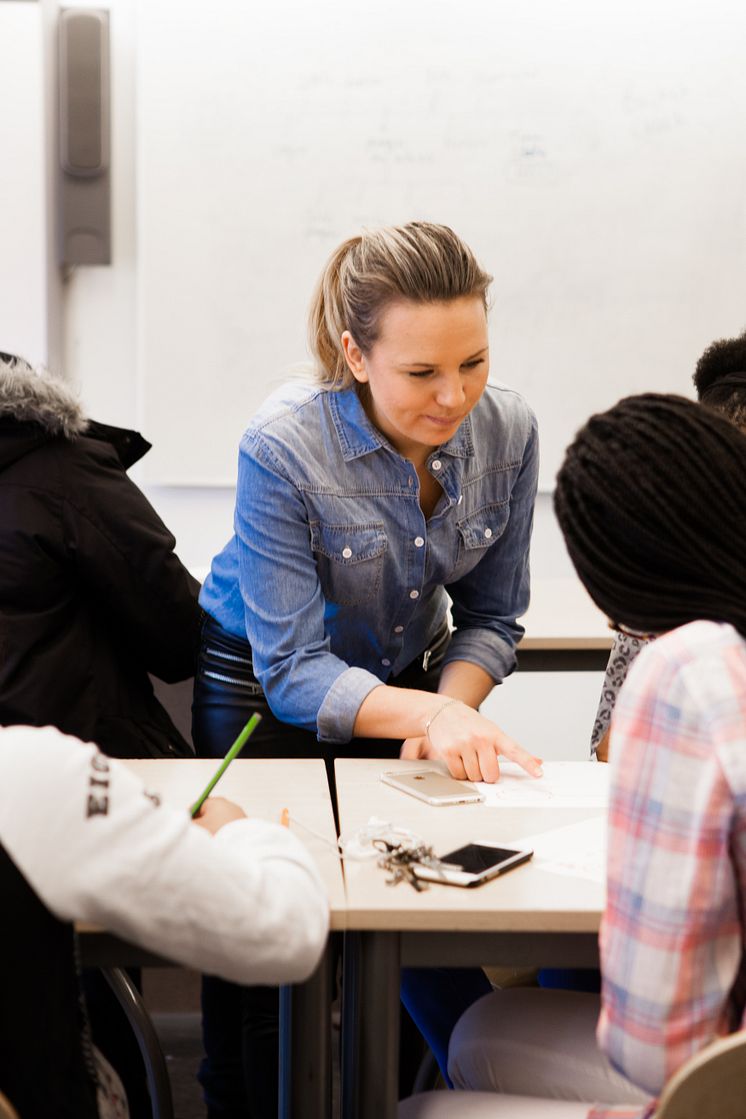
x: 32, y: 396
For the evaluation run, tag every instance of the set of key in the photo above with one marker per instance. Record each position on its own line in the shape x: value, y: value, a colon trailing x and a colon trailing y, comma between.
x: 400, y: 860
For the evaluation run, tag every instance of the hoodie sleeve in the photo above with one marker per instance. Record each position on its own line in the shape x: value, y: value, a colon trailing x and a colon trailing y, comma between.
x: 247, y: 904
x: 124, y: 555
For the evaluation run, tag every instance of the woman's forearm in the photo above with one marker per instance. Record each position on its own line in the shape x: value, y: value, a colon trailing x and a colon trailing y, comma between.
x: 388, y: 712
x: 465, y: 681
x: 403, y: 713
x: 444, y: 724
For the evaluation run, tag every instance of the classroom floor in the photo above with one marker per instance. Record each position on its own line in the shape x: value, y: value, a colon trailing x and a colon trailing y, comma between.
x: 172, y: 998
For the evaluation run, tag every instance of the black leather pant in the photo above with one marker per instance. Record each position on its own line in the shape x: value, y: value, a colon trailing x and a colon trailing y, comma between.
x: 240, y: 1024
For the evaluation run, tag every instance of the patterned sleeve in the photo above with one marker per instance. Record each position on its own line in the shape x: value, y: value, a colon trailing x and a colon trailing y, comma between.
x: 671, y: 935
x: 623, y: 652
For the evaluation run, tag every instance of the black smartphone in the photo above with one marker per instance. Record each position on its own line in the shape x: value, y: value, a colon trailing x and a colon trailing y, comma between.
x: 473, y: 864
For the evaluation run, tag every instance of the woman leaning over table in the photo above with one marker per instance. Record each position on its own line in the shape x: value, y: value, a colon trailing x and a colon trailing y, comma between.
x: 364, y: 501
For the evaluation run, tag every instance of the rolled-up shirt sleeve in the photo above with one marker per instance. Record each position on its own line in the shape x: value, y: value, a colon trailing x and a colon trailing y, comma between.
x: 488, y: 600
x: 482, y: 646
x: 305, y: 684
x: 342, y: 702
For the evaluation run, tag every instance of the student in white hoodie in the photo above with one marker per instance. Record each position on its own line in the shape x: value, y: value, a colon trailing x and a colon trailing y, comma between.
x: 82, y: 839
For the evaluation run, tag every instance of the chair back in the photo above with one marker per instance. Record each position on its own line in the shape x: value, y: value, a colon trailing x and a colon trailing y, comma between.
x: 711, y: 1085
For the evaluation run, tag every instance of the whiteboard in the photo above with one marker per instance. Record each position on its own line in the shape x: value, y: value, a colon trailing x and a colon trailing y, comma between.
x: 590, y: 153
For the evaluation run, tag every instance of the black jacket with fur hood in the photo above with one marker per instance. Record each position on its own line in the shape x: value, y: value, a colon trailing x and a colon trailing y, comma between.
x: 92, y: 596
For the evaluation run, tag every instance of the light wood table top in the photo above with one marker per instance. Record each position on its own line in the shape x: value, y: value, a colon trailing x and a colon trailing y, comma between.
x: 525, y: 899
x: 263, y: 787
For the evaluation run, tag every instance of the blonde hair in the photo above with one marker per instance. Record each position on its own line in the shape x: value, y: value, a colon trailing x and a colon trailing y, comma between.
x: 420, y: 262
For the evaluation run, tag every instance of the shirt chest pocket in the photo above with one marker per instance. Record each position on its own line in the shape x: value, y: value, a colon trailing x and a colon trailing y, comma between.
x: 477, y: 533
x: 349, y: 560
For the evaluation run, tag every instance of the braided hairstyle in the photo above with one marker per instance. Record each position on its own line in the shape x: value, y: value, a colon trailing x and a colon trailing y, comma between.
x: 651, y: 499
x: 720, y: 378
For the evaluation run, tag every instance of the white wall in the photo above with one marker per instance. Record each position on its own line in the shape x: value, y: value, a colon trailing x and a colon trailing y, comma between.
x: 29, y: 286
x: 23, y: 304
x: 99, y: 352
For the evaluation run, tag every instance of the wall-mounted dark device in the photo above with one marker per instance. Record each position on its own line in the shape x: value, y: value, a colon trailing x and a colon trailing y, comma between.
x: 84, y: 212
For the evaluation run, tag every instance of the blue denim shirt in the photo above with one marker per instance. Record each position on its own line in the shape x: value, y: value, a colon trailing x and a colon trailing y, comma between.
x: 334, y: 574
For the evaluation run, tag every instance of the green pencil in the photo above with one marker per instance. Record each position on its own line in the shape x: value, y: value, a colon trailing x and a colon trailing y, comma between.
x: 234, y: 751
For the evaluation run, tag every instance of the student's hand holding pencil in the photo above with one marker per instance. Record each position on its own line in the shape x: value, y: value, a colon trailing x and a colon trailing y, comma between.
x: 216, y: 812
x: 212, y: 813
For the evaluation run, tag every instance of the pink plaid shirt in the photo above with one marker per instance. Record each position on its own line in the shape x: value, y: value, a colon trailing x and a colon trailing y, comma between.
x: 672, y: 939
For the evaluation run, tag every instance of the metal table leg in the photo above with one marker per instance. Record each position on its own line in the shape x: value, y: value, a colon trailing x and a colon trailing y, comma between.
x: 305, y: 1046
x: 370, y: 1025
x: 156, y: 1070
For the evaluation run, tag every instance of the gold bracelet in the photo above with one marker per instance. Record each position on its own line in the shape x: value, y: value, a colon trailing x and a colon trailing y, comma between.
x: 432, y: 718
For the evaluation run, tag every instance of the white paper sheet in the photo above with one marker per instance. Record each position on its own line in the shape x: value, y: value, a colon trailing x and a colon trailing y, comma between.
x: 577, y: 850
x: 564, y: 785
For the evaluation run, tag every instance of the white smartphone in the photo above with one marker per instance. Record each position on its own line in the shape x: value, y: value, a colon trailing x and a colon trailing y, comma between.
x: 473, y: 864
x: 433, y: 787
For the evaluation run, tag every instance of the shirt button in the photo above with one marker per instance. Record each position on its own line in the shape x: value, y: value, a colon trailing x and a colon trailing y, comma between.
x: 436, y: 464
x: 418, y: 541
x: 347, y: 552
x: 410, y: 481
x: 414, y: 594
x: 398, y: 629
x: 386, y: 662
x: 488, y: 532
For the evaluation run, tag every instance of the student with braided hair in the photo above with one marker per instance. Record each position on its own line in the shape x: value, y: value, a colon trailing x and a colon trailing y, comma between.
x: 651, y: 500
x: 720, y: 381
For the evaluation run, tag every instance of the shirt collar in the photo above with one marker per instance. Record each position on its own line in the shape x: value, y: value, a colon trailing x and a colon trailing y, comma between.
x: 357, y: 435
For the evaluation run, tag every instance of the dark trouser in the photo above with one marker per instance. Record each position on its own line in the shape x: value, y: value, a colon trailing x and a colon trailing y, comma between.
x: 436, y: 997
x: 570, y: 978
x: 240, y: 1024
